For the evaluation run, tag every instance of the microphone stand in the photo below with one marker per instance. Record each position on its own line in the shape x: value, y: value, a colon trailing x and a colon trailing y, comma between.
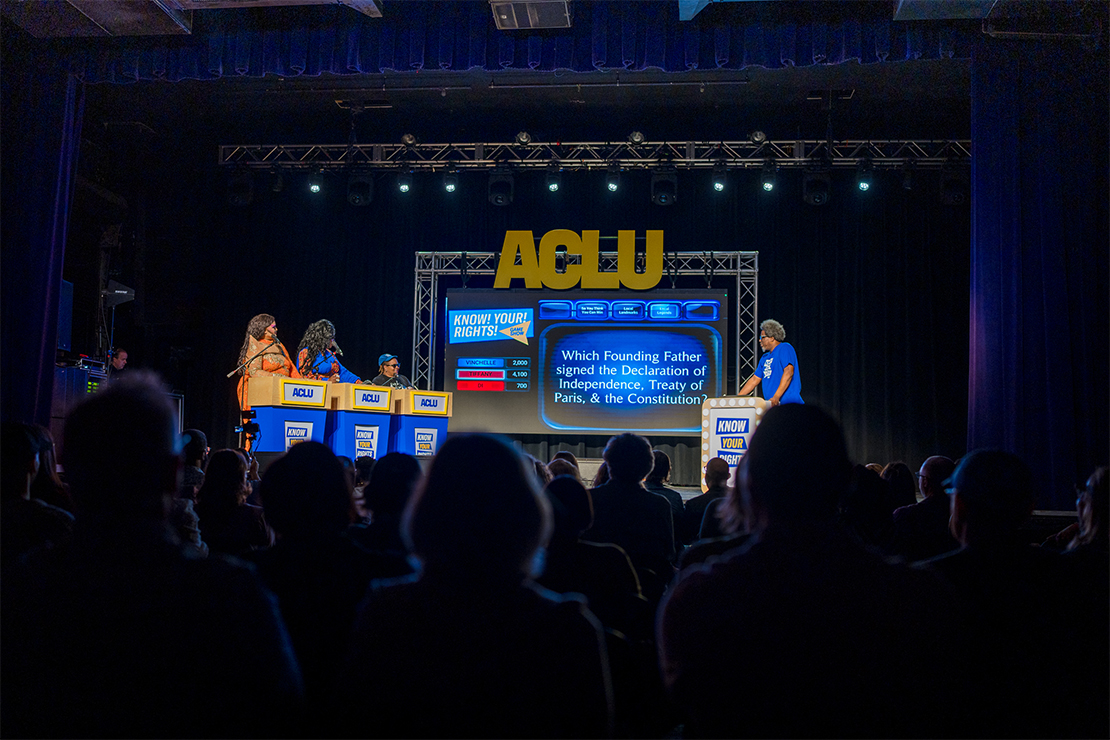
x: 276, y: 342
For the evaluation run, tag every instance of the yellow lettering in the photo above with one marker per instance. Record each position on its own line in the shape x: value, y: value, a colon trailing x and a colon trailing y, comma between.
x: 592, y: 277
x: 626, y: 260
x: 522, y: 243
x: 549, y: 245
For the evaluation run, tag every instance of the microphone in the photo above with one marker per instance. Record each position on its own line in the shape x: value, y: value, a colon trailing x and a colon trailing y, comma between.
x: 335, y: 347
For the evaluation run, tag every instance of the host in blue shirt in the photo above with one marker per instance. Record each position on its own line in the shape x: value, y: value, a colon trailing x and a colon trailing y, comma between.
x: 777, y: 369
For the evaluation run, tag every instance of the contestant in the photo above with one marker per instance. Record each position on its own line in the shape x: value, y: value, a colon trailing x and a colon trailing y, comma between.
x: 319, y: 344
x: 273, y: 360
x: 388, y: 374
x: 778, y: 367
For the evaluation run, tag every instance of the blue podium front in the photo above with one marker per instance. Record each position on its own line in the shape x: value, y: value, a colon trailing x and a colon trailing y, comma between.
x: 287, y: 411
x: 419, y: 422
x: 359, y: 424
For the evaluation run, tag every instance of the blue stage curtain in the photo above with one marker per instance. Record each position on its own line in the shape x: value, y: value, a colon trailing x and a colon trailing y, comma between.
x: 461, y: 36
x: 42, y: 114
x: 1039, y: 313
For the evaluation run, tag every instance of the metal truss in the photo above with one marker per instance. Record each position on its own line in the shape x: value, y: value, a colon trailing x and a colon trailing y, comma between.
x: 430, y: 266
x: 931, y: 153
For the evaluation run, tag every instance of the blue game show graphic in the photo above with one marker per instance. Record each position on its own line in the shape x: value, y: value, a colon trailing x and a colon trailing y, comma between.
x: 489, y: 325
x: 637, y: 378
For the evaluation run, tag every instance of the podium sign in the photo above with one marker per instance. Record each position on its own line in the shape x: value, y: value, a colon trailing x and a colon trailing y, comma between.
x: 352, y: 397
x: 421, y: 403
x: 726, y: 427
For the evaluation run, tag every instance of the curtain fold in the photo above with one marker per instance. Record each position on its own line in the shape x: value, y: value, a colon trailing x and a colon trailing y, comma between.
x: 606, y: 36
x: 1039, y: 335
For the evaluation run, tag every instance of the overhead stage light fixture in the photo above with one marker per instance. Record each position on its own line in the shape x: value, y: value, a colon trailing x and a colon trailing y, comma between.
x: 613, y: 177
x: 720, y: 177
x: 315, y: 182
x: 408, y: 140
x: 554, y: 178
x: 664, y: 187
x: 500, y: 189
x: 816, y: 187
x: 450, y: 180
x: 404, y: 181
x: 864, y: 174
x: 769, y: 175
x: 635, y: 138
x: 907, y: 175
x: 523, y: 137
x: 757, y: 137
x: 360, y: 188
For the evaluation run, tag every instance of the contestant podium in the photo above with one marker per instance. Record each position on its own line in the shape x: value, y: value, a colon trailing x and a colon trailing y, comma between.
x: 726, y: 426
x: 359, y: 419
x: 419, y: 421
x: 287, y: 410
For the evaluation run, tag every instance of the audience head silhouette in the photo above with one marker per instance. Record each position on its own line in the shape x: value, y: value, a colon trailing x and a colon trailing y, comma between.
x: 572, y: 506
x: 307, y: 492
x: 661, y: 469
x: 629, y: 457
x: 391, y: 485
x: 716, y: 472
x: 796, y: 468
x: 490, y: 526
x: 225, y: 481
x: 993, y: 494
x: 120, y: 450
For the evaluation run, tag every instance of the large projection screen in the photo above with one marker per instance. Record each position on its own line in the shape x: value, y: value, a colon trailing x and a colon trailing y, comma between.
x: 584, y: 362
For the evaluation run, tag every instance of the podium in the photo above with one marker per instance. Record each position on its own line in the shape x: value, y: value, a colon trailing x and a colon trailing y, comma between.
x: 287, y: 411
x: 419, y: 421
x: 726, y: 427
x: 359, y: 419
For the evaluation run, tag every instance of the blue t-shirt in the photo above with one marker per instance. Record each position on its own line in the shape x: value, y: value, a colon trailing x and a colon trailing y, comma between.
x: 771, y: 366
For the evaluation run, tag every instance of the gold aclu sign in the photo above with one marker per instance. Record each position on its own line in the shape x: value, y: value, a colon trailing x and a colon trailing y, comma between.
x: 537, y: 267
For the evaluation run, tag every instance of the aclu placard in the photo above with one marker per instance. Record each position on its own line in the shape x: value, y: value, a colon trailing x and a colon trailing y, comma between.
x: 304, y: 393
x: 297, y: 432
x: 366, y: 440
x: 432, y: 403
x: 727, y: 426
x: 370, y: 399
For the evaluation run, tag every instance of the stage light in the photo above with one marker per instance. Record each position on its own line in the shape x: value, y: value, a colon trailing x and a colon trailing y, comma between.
x: 408, y: 140
x: 864, y: 172
x: 664, y: 187
x: 240, y: 189
x: 769, y: 175
x: 404, y: 181
x: 955, y: 189
x: 450, y: 180
x: 554, y: 178
x: 360, y: 188
x: 315, y: 182
x: 635, y: 138
x: 277, y: 182
x: 523, y: 137
x: 758, y: 137
x: 816, y: 187
x: 613, y: 177
x: 720, y: 177
x: 500, y: 189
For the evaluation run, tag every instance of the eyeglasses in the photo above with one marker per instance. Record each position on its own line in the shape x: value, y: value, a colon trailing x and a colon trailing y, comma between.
x: 393, y: 364
x: 919, y: 476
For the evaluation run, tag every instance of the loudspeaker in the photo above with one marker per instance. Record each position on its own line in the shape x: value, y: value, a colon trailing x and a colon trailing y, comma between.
x: 816, y: 187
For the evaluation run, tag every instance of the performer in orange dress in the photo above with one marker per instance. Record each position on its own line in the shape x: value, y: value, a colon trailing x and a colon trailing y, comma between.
x: 274, y: 360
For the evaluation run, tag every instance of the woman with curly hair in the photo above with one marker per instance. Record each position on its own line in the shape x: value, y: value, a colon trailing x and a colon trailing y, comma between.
x: 267, y: 355
x: 316, y: 356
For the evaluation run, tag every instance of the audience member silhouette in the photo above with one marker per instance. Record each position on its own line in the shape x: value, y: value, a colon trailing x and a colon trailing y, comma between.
x: 364, y: 466
x: 559, y: 466
x: 921, y: 530
x: 195, y: 452
x: 386, y: 495
x: 656, y: 482
x: 122, y: 634
x: 601, y: 476
x: 865, y: 507
x: 471, y: 646
x: 1025, y: 601
x: 717, y: 474
x: 724, y: 527
x: 899, y: 481
x: 318, y: 575
x: 231, y: 526
x: 801, y: 632
x: 47, y: 485
x: 543, y: 475
x: 566, y: 455
x: 627, y: 514
x: 26, y: 522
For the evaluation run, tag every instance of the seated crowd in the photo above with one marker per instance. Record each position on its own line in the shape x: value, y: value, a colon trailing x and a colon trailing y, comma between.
x: 164, y: 590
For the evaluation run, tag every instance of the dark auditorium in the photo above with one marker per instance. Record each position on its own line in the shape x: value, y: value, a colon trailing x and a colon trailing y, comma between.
x: 554, y: 369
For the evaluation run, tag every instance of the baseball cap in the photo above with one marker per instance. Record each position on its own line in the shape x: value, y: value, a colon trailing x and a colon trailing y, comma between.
x: 386, y: 358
